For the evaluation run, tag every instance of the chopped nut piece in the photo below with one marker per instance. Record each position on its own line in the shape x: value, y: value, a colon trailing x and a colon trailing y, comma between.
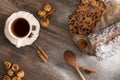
x: 15, y: 67
x: 88, y: 70
x: 16, y: 78
x: 7, y: 64
x: 10, y: 72
x: 6, y: 77
x: 44, y: 22
x: 41, y: 13
x: 13, y: 72
x: 47, y: 7
x: 45, y: 13
x: 81, y: 43
x: 20, y: 73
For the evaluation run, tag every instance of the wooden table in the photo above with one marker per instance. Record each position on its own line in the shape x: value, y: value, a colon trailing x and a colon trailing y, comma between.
x: 55, y: 40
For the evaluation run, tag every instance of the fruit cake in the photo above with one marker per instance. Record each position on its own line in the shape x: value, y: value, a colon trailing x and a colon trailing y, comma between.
x: 85, y: 16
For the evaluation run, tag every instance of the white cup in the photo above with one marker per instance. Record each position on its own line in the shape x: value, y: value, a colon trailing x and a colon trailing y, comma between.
x: 30, y: 20
x: 19, y: 39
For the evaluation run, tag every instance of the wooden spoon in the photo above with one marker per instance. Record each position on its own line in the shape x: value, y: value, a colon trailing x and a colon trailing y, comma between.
x: 71, y: 59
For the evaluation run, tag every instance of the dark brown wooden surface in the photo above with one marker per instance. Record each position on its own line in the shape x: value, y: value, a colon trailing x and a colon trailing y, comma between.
x: 55, y: 40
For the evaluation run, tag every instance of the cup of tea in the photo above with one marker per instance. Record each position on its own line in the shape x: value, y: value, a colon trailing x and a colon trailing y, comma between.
x: 19, y: 28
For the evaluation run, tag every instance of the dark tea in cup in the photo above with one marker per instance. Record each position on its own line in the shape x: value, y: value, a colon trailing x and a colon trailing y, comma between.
x: 20, y: 27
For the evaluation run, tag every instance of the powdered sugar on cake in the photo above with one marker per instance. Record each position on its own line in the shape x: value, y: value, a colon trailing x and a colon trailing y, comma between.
x: 106, y: 42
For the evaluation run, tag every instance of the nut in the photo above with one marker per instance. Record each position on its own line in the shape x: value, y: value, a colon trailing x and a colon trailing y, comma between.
x: 47, y: 7
x: 6, y: 77
x: 20, y: 73
x: 44, y: 22
x: 7, y: 64
x: 49, y: 13
x: 10, y: 72
x: 41, y: 13
x: 82, y: 43
x: 16, y: 78
x: 15, y: 67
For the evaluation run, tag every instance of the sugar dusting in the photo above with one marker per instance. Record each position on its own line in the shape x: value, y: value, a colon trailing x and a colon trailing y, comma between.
x: 106, y: 42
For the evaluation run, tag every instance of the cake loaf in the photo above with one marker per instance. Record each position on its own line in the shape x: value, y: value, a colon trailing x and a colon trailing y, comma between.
x: 83, y: 20
x: 106, y: 42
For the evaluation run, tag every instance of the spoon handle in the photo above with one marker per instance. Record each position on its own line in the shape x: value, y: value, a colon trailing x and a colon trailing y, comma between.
x: 81, y: 75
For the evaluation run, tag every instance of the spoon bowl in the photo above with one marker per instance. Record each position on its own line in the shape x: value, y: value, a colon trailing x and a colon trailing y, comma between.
x: 71, y: 59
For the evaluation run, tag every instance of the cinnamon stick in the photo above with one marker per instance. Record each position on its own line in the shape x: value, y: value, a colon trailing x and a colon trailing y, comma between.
x: 41, y: 56
x: 49, y: 13
x: 43, y: 52
x: 89, y: 70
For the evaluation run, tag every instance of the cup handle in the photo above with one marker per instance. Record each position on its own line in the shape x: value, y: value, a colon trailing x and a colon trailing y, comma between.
x: 18, y: 45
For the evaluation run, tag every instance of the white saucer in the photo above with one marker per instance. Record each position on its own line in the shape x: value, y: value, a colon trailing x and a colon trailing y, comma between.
x: 33, y: 21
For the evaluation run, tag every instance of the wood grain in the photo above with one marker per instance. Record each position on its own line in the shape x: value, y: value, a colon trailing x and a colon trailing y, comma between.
x: 55, y: 40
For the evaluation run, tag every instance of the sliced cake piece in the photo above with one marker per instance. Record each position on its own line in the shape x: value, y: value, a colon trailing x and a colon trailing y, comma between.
x: 85, y: 17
